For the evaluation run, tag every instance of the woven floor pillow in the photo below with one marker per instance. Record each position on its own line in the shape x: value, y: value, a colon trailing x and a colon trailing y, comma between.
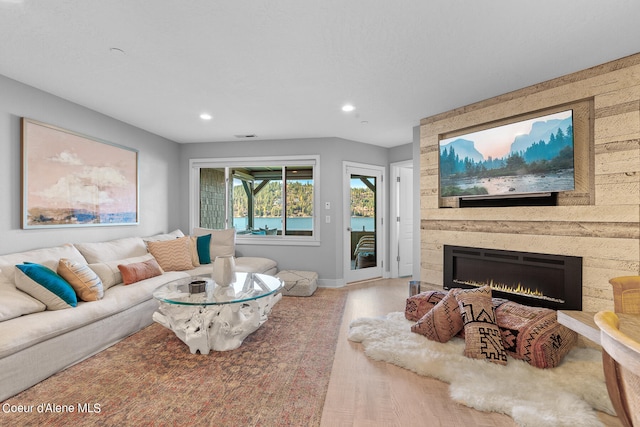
x: 418, y: 305
x: 533, y: 334
x: 443, y: 321
x: 482, y: 336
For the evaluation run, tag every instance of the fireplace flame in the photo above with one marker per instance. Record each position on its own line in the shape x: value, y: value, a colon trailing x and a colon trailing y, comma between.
x: 518, y: 289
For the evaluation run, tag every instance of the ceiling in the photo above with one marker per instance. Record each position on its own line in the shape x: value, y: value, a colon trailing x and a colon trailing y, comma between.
x: 282, y: 69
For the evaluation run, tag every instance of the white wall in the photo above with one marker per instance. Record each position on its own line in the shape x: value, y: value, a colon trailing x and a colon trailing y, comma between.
x: 158, y: 157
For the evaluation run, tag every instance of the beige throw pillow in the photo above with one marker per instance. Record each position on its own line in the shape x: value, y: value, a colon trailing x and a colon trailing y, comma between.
x: 223, y: 242
x: 83, y: 279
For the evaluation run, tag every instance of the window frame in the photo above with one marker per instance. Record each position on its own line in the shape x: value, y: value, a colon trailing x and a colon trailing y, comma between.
x: 233, y: 162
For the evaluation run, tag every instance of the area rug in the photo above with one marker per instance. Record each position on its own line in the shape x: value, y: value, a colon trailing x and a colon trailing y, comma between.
x: 563, y: 396
x: 278, y: 377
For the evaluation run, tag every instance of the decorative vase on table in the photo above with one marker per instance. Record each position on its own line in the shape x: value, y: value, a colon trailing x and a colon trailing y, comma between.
x: 224, y: 270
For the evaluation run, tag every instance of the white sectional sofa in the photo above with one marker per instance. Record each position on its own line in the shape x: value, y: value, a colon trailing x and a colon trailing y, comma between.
x: 36, y: 342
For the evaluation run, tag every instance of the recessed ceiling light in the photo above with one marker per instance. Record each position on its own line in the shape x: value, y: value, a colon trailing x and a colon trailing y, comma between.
x: 348, y: 107
x: 206, y: 116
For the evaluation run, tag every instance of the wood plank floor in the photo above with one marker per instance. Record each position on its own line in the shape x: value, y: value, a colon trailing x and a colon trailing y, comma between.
x: 363, y: 392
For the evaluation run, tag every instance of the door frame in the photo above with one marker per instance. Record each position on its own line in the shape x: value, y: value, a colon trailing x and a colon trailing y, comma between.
x: 349, y: 275
x: 394, y: 212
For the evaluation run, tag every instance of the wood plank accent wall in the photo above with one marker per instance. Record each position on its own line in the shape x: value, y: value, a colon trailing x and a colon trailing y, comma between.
x: 599, y: 222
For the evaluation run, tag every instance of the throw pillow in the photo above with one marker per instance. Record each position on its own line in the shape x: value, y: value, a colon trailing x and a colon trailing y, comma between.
x: 418, y: 305
x: 443, y: 321
x: 193, y: 247
x: 172, y: 255
x: 138, y: 271
x: 203, y: 245
x: 223, y: 242
x: 45, y: 285
x: 83, y: 279
x: 482, y: 335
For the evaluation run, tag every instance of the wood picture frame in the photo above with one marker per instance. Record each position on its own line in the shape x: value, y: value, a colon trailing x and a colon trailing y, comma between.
x: 72, y: 180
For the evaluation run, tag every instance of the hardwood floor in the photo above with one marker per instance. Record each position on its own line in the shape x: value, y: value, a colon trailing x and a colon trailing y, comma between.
x: 363, y: 392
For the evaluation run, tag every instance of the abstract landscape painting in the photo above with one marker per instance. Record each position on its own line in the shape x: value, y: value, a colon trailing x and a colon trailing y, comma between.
x: 71, y: 180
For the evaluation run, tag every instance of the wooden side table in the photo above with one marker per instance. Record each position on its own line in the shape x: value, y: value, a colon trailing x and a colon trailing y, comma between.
x: 582, y: 322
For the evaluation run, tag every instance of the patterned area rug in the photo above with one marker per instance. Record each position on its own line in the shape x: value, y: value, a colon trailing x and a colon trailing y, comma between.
x: 278, y: 377
x: 564, y: 396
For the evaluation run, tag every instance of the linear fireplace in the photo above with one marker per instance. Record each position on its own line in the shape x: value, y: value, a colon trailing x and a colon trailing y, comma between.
x: 542, y: 280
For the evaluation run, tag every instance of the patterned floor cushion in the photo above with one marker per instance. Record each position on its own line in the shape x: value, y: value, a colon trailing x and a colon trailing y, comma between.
x: 418, y: 305
x: 532, y: 334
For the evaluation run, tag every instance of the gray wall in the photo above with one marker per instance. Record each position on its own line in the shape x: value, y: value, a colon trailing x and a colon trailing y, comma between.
x: 159, y: 178
x: 164, y: 179
x: 326, y: 259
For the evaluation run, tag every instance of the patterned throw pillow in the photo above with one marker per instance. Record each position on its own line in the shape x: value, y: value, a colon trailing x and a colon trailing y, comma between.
x: 443, y: 321
x: 45, y: 285
x: 172, y: 255
x: 135, y: 272
x: 418, y: 305
x: 84, y: 280
x: 482, y: 335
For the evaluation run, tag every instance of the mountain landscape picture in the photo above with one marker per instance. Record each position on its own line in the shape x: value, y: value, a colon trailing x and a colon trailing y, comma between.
x: 530, y: 156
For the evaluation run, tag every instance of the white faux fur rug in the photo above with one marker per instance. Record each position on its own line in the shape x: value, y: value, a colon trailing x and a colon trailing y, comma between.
x: 562, y: 396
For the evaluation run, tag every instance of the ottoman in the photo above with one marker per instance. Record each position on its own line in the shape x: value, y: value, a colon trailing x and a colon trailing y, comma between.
x: 298, y: 283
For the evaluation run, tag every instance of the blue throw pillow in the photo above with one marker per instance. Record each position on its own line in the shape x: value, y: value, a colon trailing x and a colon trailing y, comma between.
x: 45, y: 285
x: 203, y: 244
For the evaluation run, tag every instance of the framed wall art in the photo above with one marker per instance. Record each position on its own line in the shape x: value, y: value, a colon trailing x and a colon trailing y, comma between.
x: 71, y: 180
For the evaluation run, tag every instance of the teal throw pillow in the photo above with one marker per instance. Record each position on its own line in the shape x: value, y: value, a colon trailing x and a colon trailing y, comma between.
x: 203, y: 244
x: 45, y: 285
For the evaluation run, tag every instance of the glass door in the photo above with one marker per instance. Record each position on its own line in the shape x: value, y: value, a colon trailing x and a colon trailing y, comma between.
x: 363, y: 219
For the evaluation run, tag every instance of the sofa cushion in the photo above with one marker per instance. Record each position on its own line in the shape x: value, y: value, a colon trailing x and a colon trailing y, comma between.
x: 443, y: 321
x: 46, y: 256
x: 172, y: 255
x: 83, y: 279
x: 45, y: 285
x: 137, y: 271
x: 109, y: 272
x: 165, y: 236
x: 112, y: 250
x: 223, y: 242
x: 15, y: 303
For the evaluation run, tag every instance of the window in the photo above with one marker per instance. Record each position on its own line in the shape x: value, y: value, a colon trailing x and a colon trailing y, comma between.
x: 265, y: 200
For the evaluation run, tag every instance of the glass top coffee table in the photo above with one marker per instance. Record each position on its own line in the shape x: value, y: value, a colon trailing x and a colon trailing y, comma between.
x: 207, y: 316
